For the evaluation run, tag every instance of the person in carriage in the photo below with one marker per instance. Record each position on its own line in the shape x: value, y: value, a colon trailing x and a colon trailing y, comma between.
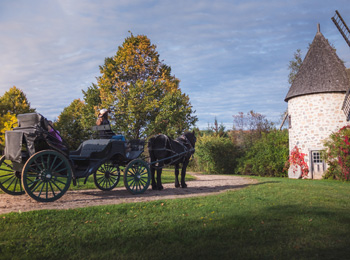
x: 107, y: 132
x: 53, y: 132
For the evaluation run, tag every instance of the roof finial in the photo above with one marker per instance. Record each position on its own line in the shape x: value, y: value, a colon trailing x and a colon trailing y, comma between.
x: 318, y: 28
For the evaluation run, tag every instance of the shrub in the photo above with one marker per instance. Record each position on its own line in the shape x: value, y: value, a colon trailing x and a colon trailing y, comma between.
x: 267, y: 156
x: 216, y: 154
x: 337, y: 154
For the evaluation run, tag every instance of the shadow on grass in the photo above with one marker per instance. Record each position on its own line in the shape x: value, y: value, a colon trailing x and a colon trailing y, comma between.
x: 194, y: 188
x: 198, y: 187
x: 278, y: 232
x: 264, y: 182
x: 167, y: 191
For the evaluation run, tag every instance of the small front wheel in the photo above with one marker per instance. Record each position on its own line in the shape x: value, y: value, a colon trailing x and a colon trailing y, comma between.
x: 137, y: 176
x: 10, y: 179
x: 46, y: 176
x: 107, y: 176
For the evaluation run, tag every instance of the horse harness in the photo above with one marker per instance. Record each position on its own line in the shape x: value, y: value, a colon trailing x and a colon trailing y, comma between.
x: 184, y: 142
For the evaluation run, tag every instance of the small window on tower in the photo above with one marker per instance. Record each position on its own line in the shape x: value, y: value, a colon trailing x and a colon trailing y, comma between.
x: 316, y: 157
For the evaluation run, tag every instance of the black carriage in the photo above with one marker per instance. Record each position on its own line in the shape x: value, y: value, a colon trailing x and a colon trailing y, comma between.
x: 37, y: 162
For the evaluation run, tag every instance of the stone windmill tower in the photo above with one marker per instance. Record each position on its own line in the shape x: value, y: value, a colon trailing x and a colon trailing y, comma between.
x: 315, y: 103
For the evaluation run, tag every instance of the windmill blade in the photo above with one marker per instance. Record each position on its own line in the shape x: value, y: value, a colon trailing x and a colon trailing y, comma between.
x: 346, y: 105
x: 342, y: 27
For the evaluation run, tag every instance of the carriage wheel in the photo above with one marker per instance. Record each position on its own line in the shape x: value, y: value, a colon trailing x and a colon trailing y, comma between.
x: 107, y: 176
x: 46, y: 176
x: 137, y: 176
x: 10, y: 180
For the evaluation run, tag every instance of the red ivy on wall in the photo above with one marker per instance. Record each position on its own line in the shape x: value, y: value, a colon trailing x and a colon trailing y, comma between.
x: 297, y: 158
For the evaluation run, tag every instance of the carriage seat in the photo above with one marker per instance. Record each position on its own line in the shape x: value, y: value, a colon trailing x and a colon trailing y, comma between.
x: 89, y: 146
x: 30, y: 121
x: 105, y: 132
x: 25, y: 133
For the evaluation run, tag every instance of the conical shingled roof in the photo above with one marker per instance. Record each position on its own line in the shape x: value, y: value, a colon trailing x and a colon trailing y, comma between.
x: 321, y: 71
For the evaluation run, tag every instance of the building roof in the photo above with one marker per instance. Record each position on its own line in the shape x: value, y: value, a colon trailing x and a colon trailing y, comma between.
x: 321, y: 71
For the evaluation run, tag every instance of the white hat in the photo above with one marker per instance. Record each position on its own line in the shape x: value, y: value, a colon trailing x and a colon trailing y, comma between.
x: 102, y: 111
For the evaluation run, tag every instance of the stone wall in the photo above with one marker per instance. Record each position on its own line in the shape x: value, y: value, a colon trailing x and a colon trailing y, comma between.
x: 313, y: 118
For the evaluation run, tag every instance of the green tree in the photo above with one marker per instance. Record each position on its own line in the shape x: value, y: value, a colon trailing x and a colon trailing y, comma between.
x: 137, y: 87
x: 174, y: 116
x: 219, y: 130
x: 70, y: 124
x: 294, y: 66
x: 92, y: 102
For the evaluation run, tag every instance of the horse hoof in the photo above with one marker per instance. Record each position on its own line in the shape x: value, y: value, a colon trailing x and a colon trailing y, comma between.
x: 154, y: 188
x: 160, y: 188
x: 184, y: 186
x: 177, y: 185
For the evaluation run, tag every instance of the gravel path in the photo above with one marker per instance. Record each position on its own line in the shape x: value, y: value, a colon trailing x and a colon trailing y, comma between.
x: 203, y: 185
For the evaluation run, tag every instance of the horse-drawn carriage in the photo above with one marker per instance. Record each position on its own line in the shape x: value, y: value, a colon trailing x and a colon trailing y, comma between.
x: 38, y: 163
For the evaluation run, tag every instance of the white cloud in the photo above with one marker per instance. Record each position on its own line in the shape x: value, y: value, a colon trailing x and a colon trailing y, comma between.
x: 230, y: 56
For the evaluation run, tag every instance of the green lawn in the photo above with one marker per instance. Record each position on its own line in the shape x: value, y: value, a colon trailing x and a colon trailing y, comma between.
x: 274, y: 219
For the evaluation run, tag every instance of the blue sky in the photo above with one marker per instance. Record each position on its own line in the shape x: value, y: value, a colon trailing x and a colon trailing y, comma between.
x: 230, y: 56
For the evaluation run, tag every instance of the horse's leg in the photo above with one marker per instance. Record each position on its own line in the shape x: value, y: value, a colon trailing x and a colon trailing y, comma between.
x: 159, y: 176
x: 154, y: 183
x: 183, y: 174
x: 153, y: 172
x: 177, y: 184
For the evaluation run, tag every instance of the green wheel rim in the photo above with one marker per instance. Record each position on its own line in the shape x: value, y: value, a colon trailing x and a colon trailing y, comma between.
x: 107, y: 176
x: 46, y: 176
x: 137, y: 176
x: 10, y: 180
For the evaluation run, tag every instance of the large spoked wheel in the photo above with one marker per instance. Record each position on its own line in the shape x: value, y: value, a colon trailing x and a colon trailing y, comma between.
x: 107, y: 176
x: 10, y: 180
x: 46, y: 176
x: 137, y: 176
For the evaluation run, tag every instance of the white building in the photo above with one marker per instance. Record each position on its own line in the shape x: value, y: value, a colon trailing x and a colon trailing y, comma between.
x: 318, y: 103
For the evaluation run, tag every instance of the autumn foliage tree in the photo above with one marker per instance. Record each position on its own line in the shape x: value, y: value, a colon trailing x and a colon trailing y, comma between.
x: 12, y: 103
x: 140, y: 91
x: 15, y: 102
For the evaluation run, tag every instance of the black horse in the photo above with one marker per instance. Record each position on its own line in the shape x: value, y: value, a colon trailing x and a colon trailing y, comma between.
x: 170, y: 152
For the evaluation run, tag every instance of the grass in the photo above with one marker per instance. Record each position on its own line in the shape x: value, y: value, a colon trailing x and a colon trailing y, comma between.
x: 274, y: 219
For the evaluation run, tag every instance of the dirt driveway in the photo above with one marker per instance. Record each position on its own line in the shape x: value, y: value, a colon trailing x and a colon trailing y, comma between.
x: 202, y: 186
